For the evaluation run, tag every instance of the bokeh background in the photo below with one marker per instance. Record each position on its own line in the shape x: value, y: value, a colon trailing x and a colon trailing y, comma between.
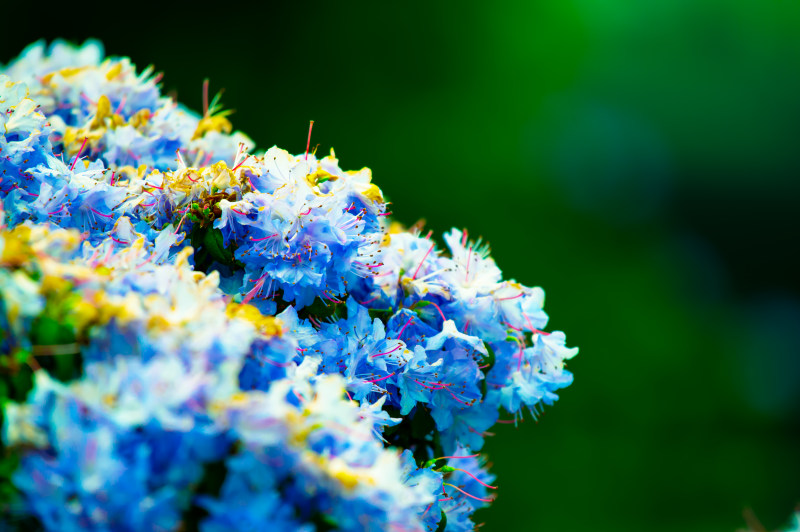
x: 639, y: 160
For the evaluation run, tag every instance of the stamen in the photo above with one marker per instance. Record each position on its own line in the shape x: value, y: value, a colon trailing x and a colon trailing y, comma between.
x: 240, y: 164
x: 423, y: 260
x: 467, y: 494
x: 308, y: 143
x: 205, y: 97
x: 368, y: 301
x: 440, y: 310
x: 512, y: 297
x: 85, y: 139
x: 121, y: 104
x: 100, y: 213
x: 381, y: 379
x: 279, y: 364
x: 426, y: 510
x: 260, y: 239
x: 404, y: 327
x: 387, y: 352
x: 476, y: 478
x: 469, y: 259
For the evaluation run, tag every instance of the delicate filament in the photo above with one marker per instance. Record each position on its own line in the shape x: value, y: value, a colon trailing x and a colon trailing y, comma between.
x: 467, y: 494
x: 423, y: 260
x: 85, y: 139
x: 308, y: 143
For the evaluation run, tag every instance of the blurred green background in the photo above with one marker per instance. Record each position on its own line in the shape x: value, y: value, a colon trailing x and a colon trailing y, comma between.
x: 638, y: 160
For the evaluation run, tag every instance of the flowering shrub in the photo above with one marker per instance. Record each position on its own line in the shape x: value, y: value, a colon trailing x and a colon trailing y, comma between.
x: 197, y: 336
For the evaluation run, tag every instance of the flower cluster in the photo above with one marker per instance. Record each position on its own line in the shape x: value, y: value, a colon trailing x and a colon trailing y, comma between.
x: 201, y: 336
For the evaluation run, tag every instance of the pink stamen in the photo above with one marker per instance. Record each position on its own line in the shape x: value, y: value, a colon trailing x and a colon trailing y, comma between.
x: 381, y: 379
x: 121, y: 104
x: 263, y: 238
x: 145, y: 262
x: 387, y: 352
x: 469, y: 259
x: 147, y: 204
x: 404, y: 327
x: 119, y: 241
x: 437, y: 386
x: 189, y: 177
x: 100, y: 213
x: 251, y: 184
x: 467, y: 494
x: 464, y: 238
x: 108, y: 254
x: 85, y: 139
x: 368, y: 301
x: 512, y: 327
x: 308, y: 143
x: 205, y: 97
x: 277, y: 364
x: 305, y: 213
x: 56, y: 212
x: 532, y: 328
x: 512, y: 297
x: 384, y: 214
x: 445, y: 499
x: 239, y: 212
x: 440, y: 310
x: 251, y: 294
x: 112, y: 177
x: 240, y: 164
x: 456, y: 397
x: 483, y: 434
x: 423, y: 260
x: 476, y: 478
